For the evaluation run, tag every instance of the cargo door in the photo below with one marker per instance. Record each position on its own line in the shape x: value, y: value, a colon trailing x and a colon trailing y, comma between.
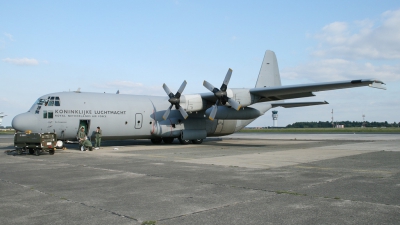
x: 85, y: 124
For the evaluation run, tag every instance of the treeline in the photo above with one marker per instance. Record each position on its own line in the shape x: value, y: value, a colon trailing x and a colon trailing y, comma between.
x: 328, y: 124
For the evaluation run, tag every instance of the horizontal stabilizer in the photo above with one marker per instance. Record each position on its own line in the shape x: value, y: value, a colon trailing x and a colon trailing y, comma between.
x: 297, y: 104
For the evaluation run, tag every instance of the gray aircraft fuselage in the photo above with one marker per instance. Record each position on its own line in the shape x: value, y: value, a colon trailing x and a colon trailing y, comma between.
x: 119, y: 116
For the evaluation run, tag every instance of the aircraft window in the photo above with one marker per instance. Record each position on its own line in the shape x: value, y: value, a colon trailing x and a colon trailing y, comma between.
x: 44, y: 114
x: 40, y: 101
x: 52, y: 98
x: 57, y: 101
x: 51, y: 103
x: 38, y: 109
x: 50, y: 115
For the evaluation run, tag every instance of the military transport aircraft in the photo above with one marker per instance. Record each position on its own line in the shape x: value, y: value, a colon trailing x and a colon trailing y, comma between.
x: 221, y: 111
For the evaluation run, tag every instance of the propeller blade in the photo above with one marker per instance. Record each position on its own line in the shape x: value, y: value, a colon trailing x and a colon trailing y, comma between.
x: 166, y: 89
x: 166, y: 114
x: 213, y: 112
x: 234, y: 104
x: 183, y: 85
x: 208, y: 86
x: 183, y: 112
x: 228, y: 76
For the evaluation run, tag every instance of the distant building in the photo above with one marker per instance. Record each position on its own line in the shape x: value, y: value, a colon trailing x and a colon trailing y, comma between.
x: 275, y: 118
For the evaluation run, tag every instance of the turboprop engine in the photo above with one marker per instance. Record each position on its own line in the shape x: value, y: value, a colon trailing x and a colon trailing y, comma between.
x: 241, y: 95
x: 192, y: 103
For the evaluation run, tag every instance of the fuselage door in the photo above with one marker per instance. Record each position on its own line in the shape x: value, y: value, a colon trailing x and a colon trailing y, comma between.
x: 138, y: 120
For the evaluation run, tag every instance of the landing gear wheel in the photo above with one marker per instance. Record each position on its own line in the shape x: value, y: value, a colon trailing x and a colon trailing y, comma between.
x: 31, y: 151
x: 168, y: 140
x: 156, y: 140
x: 51, y: 152
x: 19, y: 151
x: 37, y: 152
x: 197, y: 141
x: 184, y: 142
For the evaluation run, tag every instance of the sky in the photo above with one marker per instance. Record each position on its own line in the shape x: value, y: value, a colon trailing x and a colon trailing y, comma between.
x: 136, y: 46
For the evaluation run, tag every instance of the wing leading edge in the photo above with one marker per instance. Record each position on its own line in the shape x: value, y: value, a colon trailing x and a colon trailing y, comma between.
x: 306, y: 90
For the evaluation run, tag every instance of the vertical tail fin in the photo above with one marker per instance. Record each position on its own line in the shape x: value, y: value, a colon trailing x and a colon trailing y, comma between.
x: 269, y: 72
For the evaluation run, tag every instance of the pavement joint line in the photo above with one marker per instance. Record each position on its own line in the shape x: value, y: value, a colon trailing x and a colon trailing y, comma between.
x: 207, y: 210
x: 69, y: 200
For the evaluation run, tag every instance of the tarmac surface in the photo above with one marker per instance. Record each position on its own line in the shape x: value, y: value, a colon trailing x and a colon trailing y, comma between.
x: 244, y: 178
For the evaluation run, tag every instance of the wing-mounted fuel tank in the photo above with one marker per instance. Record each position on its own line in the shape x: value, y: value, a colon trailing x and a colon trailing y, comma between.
x: 245, y: 113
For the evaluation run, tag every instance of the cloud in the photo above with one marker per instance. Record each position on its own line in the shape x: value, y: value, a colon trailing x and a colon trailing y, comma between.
x: 9, y: 36
x: 22, y: 61
x: 356, y: 50
x: 361, y: 39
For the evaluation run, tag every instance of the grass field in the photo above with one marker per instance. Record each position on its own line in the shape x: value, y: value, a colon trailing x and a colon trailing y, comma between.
x: 6, y: 132
x: 326, y: 130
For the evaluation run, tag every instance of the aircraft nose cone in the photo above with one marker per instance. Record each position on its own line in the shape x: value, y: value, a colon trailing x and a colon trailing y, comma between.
x: 24, y: 121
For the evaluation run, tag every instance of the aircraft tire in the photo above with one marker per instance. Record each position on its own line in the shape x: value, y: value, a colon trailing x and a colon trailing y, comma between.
x: 184, y: 142
x: 37, y: 152
x: 51, y: 152
x: 156, y: 140
x: 19, y: 151
x: 168, y: 140
x: 197, y: 141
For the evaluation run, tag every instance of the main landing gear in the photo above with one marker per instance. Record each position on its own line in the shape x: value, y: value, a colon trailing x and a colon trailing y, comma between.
x: 169, y: 140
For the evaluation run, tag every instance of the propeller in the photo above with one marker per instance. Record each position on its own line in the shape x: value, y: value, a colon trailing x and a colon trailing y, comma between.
x: 221, y: 95
x: 175, y: 100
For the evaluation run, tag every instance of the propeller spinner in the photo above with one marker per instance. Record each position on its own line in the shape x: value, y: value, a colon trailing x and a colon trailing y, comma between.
x: 221, y: 95
x: 175, y: 100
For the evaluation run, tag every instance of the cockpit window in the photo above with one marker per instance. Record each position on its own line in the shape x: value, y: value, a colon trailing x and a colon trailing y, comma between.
x: 52, y: 101
x: 40, y: 101
x: 57, y: 101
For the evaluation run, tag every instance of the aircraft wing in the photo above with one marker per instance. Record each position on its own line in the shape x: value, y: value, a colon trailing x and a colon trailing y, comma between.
x: 297, y: 104
x: 306, y: 90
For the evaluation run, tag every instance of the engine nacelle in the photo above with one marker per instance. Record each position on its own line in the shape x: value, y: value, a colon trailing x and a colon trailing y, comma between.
x: 192, y: 103
x: 241, y: 95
